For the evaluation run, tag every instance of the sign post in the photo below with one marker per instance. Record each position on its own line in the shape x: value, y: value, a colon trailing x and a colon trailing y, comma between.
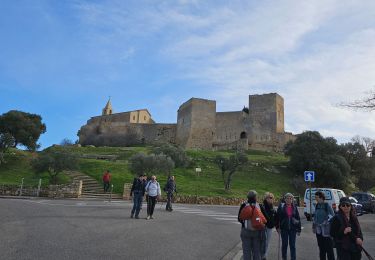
x: 310, y: 177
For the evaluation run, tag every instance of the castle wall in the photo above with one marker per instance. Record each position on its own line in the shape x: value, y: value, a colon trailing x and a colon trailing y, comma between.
x: 196, y: 124
x: 124, y: 134
x: 229, y: 127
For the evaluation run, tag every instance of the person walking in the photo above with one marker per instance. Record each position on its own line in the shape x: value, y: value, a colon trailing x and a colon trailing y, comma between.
x: 251, y: 236
x: 270, y: 214
x: 138, y: 191
x: 321, y: 226
x: 106, y: 180
x: 346, y: 232
x: 170, y: 188
x: 153, y: 192
x: 288, y: 225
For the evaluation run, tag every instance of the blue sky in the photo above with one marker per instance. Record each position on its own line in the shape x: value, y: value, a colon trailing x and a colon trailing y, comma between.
x: 63, y: 59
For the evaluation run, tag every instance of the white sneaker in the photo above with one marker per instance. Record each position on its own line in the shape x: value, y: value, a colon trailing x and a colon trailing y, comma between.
x: 148, y: 217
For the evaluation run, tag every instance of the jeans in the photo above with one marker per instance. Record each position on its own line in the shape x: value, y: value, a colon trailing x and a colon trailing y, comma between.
x: 137, y: 202
x: 169, y: 201
x: 266, y: 242
x: 288, y: 236
x: 325, y: 247
x: 251, y: 242
x: 151, y: 201
x: 106, y: 186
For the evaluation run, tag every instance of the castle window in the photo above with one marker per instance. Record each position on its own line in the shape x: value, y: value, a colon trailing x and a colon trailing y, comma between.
x: 133, y: 117
x: 243, y: 135
x: 145, y: 118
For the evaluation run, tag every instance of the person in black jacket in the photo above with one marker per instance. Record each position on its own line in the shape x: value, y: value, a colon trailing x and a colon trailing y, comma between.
x: 270, y: 214
x: 346, y: 232
x: 138, y: 191
x: 288, y: 225
x: 170, y: 188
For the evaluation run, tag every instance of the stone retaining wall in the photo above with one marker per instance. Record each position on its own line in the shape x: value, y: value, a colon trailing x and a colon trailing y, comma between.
x: 73, y: 190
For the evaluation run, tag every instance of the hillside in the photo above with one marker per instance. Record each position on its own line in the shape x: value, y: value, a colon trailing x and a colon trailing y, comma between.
x: 265, y: 171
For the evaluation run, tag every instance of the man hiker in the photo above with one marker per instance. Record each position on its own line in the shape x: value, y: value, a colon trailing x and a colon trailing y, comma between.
x: 170, y: 188
x: 138, y: 191
x: 106, y: 180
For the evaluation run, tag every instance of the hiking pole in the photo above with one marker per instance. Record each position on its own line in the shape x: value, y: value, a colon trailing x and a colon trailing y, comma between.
x: 367, y: 254
x: 278, y: 247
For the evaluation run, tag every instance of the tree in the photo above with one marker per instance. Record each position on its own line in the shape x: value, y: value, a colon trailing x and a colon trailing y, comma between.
x: 54, y: 162
x: 311, y: 151
x: 6, y: 141
x: 24, y: 127
x: 141, y: 163
x: 229, y: 166
x: 176, y: 153
x: 367, y: 103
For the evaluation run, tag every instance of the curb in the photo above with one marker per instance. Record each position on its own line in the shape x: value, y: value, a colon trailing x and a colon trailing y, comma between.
x: 235, y: 253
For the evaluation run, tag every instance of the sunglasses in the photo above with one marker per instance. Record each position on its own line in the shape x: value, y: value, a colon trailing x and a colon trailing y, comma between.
x: 346, y: 205
x: 270, y: 198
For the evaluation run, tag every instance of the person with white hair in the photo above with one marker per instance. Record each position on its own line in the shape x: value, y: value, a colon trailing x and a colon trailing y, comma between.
x: 288, y: 226
x: 153, y: 193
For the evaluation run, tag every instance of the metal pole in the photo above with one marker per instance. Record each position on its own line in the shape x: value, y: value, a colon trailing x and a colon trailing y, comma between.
x: 21, y: 187
x: 39, y: 185
x: 110, y: 194
x: 310, y: 201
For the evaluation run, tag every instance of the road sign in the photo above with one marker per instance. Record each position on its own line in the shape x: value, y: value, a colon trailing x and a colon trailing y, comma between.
x: 309, y: 176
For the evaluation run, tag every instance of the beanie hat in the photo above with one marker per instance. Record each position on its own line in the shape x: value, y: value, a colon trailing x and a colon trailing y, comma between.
x: 252, y: 194
x: 345, y: 200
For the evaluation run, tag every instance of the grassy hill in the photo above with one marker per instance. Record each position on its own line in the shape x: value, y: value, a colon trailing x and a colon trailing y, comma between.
x: 265, y: 171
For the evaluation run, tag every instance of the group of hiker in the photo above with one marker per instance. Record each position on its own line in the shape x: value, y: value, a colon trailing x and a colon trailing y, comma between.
x: 341, y: 230
x: 151, y: 188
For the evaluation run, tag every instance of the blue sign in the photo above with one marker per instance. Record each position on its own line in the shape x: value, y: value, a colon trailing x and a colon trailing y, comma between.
x: 309, y: 176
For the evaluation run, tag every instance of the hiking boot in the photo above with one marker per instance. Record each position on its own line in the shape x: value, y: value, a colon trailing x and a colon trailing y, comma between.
x: 131, y: 215
x: 148, y: 217
x: 137, y: 217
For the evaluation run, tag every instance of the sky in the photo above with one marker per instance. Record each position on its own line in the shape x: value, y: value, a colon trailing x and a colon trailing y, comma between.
x: 64, y: 59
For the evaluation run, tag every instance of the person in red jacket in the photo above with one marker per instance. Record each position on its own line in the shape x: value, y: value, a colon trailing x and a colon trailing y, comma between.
x: 106, y: 180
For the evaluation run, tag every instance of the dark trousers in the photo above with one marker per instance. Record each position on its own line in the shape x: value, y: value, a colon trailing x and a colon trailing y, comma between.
x: 106, y: 186
x: 151, y: 201
x: 137, y: 203
x: 288, y: 236
x: 343, y: 254
x: 325, y: 247
x: 169, y: 201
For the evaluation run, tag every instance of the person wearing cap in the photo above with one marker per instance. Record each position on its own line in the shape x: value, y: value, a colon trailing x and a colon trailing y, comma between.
x: 251, y: 239
x: 137, y: 191
x: 288, y: 225
x: 170, y: 188
x: 346, y: 232
x: 321, y: 223
x: 270, y: 214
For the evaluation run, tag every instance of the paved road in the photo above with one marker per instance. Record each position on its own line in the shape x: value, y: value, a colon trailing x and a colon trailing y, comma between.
x: 73, y: 229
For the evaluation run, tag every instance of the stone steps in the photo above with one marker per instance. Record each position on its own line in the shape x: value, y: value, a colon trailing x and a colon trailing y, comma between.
x: 91, y: 188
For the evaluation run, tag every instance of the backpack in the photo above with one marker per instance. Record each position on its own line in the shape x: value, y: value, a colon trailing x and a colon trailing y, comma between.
x: 252, y: 217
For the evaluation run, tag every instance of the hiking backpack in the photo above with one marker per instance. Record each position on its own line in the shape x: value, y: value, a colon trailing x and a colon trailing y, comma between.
x: 253, y: 217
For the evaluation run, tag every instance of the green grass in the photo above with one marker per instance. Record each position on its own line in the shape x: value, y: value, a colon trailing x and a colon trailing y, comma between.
x: 265, y: 171
x: 18, y: 168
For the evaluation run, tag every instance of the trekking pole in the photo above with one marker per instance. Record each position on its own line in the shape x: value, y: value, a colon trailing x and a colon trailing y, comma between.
x: 367, y: 254
x: 278, y: 247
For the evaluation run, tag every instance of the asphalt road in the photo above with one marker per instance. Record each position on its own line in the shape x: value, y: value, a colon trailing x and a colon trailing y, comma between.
x: 73, y: 229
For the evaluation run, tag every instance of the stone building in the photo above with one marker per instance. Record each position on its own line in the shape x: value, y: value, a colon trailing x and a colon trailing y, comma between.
x: 199, y: 126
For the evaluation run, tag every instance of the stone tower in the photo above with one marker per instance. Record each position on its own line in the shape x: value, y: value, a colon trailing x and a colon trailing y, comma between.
x: 196, y: 124
x: 107, y: 110
x: 267, y: 117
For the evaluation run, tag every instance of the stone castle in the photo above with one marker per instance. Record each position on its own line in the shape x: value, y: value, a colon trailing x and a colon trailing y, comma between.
x: 199, y: 126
